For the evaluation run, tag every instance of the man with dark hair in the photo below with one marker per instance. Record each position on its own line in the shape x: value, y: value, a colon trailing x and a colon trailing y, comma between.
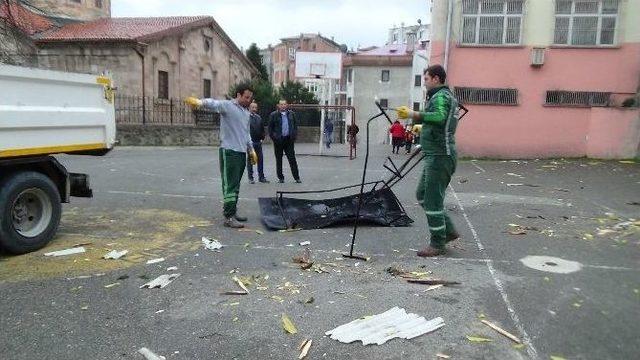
x: 283, y: 129
x: 235, y: 142
x: 439, y: 123
x: 257, y: 130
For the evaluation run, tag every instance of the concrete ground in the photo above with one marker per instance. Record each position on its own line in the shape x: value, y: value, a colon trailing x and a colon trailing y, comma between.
x: 159, y: 202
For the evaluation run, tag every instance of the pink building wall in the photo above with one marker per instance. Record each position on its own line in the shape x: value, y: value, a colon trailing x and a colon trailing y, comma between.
x: 532, y: 130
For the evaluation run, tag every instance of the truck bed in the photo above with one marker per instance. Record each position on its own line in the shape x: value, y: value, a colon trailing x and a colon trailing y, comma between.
x: 45, y: 112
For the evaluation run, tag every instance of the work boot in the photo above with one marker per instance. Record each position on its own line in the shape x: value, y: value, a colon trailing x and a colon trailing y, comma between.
x: 264, y: 181
x: 240, y: 218
x: 233, y: 223
x: 299, y: 181
x: 281, y: 181
x: 452, y: 237
x: 251, y: 181
x: 431, y: 252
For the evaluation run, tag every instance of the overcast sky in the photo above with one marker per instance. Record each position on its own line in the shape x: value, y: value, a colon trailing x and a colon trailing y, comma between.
x: 351, y: 22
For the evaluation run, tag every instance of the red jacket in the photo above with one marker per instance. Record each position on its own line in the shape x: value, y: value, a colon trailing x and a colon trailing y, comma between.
x: 397, y: 130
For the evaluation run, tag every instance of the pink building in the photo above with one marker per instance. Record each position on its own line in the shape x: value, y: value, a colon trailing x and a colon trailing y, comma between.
x: 543, y: 78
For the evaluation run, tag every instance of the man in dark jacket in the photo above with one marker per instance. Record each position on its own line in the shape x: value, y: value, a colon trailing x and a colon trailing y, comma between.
x: 258, y: 133
x: 283, y: 130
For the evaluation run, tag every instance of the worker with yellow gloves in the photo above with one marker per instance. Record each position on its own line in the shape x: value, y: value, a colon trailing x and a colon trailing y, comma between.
x: 437, y: 140
x: 235, y: 142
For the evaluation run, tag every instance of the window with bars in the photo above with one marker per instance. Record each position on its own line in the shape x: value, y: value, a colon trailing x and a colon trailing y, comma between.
x: 384, y: 103
x: 577, y: 98
x: 486, y: 96
x: 491, y: 22
x: 163, y: 85
x: 98, y: 3
x: 580, y: 22
x: 417, y: 82
x: 416, y: 106
x: 385, y: 76
x: 206, y: 88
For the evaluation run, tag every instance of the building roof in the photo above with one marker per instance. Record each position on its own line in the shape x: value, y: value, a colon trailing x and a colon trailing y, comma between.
x: 137, y: 30
x: 125, y: 29
x: 24, y: 19
x: 387, y: 50
x: 311, y: 36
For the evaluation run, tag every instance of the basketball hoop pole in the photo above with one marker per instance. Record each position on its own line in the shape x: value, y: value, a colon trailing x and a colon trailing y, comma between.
x: 323, y: 113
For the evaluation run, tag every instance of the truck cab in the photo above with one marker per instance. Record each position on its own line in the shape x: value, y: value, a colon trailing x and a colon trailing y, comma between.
x: 44, y: 113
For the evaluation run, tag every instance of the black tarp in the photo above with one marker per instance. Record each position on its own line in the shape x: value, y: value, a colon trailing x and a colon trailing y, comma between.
x: 379, y: 207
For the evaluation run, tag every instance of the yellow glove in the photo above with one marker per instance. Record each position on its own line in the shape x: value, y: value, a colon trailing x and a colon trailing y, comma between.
x: 404, y: 112
x: 193, y: 102
x: 253, y: 156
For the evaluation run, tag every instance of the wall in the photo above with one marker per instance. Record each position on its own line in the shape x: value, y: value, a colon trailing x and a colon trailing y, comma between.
x: 76, y: 9
x: 366, y: 87
x: 135, y: 135
x: 15, y: 47
x: 530, y: 129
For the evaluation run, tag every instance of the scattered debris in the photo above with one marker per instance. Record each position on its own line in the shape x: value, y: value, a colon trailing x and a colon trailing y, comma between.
x: 287, y: 324
x: 160, y: 281
x: 82, y: 244
x: 149, y: 355
x: 478, y: 339
x: 433, y: 282
x: 378, y: 329
x: 235, y: 292
x: 111, y: 285
x: 442, y: 356
x: 211, y: 244
x: 123, y: 277
x: 173, y: 268
x: 304, y: 349
x: 304, y: 260
x: 433, y: 287
x: 72, y: 251
x: 463, y: 180
x: 155, y: 261
x: 553, y: 357
x: 502, y: 331
x: 241, y: 284
x: 605, y: 232
x: 115, y: 255
x: 635, y: 203
x: 305, y: 243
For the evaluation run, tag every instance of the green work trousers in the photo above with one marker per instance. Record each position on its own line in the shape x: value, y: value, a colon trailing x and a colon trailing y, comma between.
x: 232, y: 165
x: 437, y: 173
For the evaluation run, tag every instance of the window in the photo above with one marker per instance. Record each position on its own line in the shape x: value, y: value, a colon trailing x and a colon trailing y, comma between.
x: 349, y: 101
x: 384, y: 103
x: 206, y: 88
x: 292, y: 53
x: 163, y: 85
x: 417, y: 82
x: 77, y: 1
x: 416, y: 106
x: 350, y: 75
x: 585, y: 22
x: 491, y: 22
x: 577, y: 98
x: 395, y: 37
x: 98, y: 3
x: 486, y: 96
x: 385, y: 76
x: 207, y: 43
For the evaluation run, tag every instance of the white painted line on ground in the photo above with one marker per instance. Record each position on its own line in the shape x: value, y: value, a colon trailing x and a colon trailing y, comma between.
x: 531, y: 350
x: 477, y: 166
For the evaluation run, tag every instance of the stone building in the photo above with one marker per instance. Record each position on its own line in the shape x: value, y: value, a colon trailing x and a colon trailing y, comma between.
x: 84, y: 10
x: 169, y: 57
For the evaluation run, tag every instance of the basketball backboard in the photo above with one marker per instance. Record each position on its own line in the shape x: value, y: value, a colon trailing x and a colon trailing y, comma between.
x: 318, y: 65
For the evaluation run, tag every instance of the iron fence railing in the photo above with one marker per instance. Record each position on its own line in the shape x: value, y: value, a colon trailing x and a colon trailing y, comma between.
x: 139, y: 110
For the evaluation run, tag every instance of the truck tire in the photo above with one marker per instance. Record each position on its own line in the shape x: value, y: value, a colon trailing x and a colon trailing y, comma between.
x: 29, y: 212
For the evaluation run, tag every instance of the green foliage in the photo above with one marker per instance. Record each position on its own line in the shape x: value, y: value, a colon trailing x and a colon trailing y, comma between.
x: 296, y: 93
x: 253, y: 54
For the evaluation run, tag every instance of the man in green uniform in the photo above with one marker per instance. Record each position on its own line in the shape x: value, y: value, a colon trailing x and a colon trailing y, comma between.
x: 437, y: 140
x: 235, y: 143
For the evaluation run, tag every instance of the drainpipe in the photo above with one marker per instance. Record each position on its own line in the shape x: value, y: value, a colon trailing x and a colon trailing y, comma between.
x: 446, y: 41
x: 144, y: 102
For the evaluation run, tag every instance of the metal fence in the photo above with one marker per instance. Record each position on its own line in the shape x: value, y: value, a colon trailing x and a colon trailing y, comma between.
x: 139, y: 110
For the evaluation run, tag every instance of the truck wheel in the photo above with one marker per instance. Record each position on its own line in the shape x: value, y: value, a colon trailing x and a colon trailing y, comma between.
x: 29, y: 212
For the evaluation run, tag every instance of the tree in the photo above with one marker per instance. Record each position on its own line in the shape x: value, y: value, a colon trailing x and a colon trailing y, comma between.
x: 253, y: 54
x: 296, y: 93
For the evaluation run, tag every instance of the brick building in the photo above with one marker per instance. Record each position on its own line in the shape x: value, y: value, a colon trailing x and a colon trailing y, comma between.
x: 84, y: 10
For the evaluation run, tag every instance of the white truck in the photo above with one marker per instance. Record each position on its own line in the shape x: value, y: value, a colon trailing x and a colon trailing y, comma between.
x: 43, y: 113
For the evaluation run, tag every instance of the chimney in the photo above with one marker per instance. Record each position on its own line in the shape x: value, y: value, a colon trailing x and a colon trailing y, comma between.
x: 411, y: 42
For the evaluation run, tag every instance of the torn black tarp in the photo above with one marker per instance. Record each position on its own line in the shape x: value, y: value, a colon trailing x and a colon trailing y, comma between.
x: 380, y: 206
